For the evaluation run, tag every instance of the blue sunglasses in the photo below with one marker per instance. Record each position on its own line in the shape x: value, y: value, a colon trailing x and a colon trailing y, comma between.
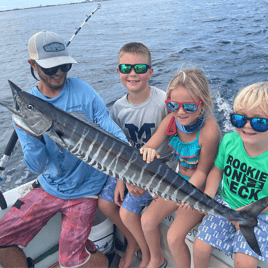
x: 258, y: 124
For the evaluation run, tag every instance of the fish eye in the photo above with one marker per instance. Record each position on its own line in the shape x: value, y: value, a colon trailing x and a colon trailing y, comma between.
x: 30, y: 107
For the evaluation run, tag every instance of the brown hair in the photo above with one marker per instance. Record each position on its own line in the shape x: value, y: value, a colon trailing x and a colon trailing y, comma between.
x: 195, y: 83
x: 137, y: 48
x: 253, y: 96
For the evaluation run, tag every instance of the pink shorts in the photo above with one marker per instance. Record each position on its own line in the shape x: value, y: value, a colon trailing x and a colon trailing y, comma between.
x: 29, y: 214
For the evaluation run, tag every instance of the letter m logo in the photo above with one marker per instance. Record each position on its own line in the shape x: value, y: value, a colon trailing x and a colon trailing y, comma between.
x: 136, y: 134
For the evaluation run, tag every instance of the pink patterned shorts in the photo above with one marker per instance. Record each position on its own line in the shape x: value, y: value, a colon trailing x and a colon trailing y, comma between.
x: 29, y: 214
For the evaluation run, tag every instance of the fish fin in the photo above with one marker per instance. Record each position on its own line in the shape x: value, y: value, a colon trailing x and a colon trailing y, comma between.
x: 252, y: 211
x: 255, y: 208
x: 60, y: 148
x: 57, y: 137
x: 83, y: 117
x: 249, y: 235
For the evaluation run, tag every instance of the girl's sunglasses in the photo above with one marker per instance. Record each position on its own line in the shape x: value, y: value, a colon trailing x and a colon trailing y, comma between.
x: 51, y: 71
x: 138, y: 68
x: 188, y: 107
x: 257, y: 123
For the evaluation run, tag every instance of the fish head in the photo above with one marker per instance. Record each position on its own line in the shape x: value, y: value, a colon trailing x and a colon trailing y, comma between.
x: 27, y: 112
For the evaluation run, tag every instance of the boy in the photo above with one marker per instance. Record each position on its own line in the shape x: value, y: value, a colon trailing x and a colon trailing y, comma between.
x: 138, y: 114
x: 241, y: 165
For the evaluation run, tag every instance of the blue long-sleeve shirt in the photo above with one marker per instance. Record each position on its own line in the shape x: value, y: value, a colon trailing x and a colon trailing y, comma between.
x: 62, y: 174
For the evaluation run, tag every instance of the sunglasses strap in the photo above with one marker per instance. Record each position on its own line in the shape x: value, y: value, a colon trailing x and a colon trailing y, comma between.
x: 191, y: 129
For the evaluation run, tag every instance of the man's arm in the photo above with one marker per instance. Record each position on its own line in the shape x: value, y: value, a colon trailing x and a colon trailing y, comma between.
x: 34, y: 149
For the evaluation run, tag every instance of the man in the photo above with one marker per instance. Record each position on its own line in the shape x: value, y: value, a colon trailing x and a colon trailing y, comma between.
x: 66, y: 184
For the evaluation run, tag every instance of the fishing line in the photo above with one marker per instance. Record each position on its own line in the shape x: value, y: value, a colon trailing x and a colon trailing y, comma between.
x: 13, y: 139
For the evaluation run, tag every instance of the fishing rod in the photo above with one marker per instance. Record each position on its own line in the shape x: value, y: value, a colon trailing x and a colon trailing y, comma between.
x: 76, y: 32
x: 87, y: 18
x: 14, y: 137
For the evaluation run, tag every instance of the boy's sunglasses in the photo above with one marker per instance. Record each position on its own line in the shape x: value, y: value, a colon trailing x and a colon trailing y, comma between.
x: 257, y: 123
x: 188, y: 107
x: 138, y: 68
x: 51, y: 71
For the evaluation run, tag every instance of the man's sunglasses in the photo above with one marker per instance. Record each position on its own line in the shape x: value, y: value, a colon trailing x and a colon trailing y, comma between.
x: 51, y: 71
x: 138, y: 68
x: 257, y: 123
x: 188, y: 107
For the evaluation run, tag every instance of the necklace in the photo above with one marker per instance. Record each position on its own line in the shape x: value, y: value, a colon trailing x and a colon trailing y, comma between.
x: 191, y: 129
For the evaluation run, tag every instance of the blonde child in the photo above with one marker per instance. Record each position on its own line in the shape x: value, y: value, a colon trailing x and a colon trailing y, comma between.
x: 138, y: 114
x: 241, y: 166
x: 194, y: 137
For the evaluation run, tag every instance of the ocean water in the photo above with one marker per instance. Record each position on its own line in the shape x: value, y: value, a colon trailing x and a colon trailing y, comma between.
x: 227, y: 39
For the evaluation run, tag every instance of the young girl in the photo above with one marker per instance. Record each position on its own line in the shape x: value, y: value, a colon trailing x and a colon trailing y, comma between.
x: 241, y: 166
x: 194, y: 137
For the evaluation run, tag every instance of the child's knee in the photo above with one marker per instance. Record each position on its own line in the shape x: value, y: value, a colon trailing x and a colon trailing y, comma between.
x: 244, y: 261
x: 174, y: 239
x: 201, y: 248
x: 128, y: 217
x: 147, y: 223
x: 124, y: 214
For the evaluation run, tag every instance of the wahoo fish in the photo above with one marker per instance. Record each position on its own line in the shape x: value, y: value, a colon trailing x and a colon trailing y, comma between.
x: 116, y: 158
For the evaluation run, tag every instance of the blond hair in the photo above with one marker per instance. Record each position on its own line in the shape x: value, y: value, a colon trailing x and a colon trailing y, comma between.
x: 137, y: 48
x: 253, y: 96
x: 195, y: 83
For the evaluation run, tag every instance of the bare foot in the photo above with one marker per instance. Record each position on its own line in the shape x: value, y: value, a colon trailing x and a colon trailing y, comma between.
x: 128, y: 256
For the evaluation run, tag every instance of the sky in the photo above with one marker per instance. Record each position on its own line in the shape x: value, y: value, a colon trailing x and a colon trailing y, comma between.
x: 12, y: 4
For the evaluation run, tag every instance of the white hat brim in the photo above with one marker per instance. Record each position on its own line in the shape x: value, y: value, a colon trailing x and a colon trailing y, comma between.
x: 53, y: 62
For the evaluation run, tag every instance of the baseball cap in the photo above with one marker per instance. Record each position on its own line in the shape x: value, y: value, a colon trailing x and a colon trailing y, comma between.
x: 48, y: 49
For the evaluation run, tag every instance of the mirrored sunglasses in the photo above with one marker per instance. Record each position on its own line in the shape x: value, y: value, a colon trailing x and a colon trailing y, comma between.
x: 188, y: 107
x: 258, y: 124
x: 138, y: 68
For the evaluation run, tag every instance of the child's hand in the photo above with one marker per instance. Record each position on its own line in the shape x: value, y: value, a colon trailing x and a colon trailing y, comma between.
x: 149, y: 154
x: 119, y: 193
x: 236, y: 224
x: 135, y: 190
x: 184, y: 206
x: 188, y: 207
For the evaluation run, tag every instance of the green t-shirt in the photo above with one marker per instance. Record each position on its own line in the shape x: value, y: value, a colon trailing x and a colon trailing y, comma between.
x: 245, y: 179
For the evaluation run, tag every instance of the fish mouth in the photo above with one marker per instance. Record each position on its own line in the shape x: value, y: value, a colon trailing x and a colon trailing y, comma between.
x: 15, y: 92
x: 14, y: 110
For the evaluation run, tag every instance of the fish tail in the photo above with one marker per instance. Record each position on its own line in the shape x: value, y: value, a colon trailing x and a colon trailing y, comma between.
x: 249, y: 235
x: 247, y: 229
